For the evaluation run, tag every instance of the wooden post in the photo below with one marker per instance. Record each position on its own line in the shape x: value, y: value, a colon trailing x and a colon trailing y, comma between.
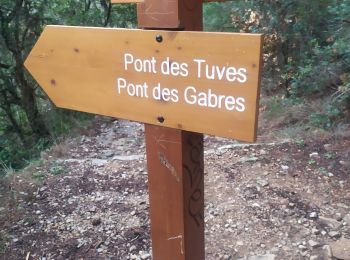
x: 176, y: 185
x: 174, y: 157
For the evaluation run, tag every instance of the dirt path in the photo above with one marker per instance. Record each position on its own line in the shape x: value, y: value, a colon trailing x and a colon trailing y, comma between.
x: 288, y: 200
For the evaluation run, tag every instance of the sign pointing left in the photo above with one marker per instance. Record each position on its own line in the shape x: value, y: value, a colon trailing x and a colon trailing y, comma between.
x: 157, y: 77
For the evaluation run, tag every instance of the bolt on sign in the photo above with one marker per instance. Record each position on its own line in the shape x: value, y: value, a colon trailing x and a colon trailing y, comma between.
x: 196, y: 81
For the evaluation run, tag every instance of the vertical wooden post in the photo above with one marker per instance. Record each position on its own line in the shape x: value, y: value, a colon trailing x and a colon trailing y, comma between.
x: 174, y: 157
x: 176, y: 185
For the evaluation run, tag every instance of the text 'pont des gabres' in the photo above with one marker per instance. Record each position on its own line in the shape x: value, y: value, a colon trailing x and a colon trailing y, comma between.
x: 190, y: 95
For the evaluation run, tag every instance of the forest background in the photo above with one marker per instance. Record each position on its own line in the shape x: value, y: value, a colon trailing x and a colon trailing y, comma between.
x: 306, y: 79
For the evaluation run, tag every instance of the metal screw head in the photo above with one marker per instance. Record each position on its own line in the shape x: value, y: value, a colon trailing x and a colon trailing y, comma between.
x: 161, y: 119
x: 159, y: 38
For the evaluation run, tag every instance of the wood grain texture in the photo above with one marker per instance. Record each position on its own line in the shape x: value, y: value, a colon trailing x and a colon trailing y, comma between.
x: 209, y: 1
x: 158, y: 14
x: 173, y: 14
x: 176, y: 185
x: 78, y: 68
x: 126, y: 1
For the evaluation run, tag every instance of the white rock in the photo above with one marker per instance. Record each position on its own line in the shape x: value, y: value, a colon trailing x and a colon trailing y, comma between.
x: 248, y: 159
x: 338, y: 216
x: 81, y: 243
x: 334, y: 234
x: 99, y: 199
x: 98, y: 162
x: 145, y: 255
x: 347, y: 218
x: 315, y: 257
x: 262, y: 257
x: 315, y: 231
x: 327, y: 249
x: 262, y: 152
x: 128, y: 158
x: 313, y: 215
x: 314, y: 155
x: 329, y: 222
x: 239, y: 243
x: 284, y: 167
x: 302, y: 247
x: 328, y: 147
x: 313, y: 244
x: 263, y: 182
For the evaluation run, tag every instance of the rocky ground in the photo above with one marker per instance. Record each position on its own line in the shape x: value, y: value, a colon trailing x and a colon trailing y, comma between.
x: 87, y: 199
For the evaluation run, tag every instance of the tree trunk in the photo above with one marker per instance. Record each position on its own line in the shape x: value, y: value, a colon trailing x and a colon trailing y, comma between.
x: 15, y: 126
x: 29, y: 104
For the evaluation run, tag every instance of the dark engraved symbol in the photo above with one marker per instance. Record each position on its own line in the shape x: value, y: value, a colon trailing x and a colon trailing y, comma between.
x: 194, y: 171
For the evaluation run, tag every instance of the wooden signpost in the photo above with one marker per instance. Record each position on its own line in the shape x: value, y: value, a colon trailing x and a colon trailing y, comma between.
x: 180, y: 83
x: 156, y: 77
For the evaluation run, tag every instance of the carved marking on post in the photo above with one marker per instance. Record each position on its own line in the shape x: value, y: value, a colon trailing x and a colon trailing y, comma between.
x: 181, y: 242
x: 196, y: 175
x: 160, y: 141
x: 164, y: 161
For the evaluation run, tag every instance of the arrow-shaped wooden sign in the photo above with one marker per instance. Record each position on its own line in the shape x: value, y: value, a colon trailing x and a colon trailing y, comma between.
x: 195, y: 81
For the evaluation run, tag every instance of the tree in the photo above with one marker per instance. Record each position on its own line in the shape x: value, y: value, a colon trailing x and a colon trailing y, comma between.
x: 19, y: 27
x: 23, y: 106
x: 306, y: 53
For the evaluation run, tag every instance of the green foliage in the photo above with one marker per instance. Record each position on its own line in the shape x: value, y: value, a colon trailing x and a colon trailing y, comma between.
x: 326, y: 118
x: 306, y: 51
x: 275, y: 107
x: 318, y: 119
x: 10, y: 155
x: 300, y: 142
x: 28, y: 121
x: 38, y: 176
x: 91, y: 13
x: 328, y: 156
x: 311, y: 162
x: 60, y: 122
x: 57, y: 170
x: 217, y: 17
